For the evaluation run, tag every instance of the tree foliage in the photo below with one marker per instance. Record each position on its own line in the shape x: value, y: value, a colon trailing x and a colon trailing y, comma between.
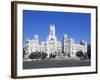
x: 37, y: 55
x: 44, y: 55
x: 79, y: 54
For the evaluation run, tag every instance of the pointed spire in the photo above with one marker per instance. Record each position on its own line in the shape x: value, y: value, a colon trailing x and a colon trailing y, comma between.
x: 52, y: 29
x: 65, y: 35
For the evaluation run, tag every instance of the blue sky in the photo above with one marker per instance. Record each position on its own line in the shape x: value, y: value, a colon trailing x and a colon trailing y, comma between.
x: 75, y: 25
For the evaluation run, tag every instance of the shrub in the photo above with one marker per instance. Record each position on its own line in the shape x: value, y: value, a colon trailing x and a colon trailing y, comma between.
x: 35, y: 55
x: 32, y: 55
x: 79, y: 54
x: 52, y: 55
x: 44, y: 55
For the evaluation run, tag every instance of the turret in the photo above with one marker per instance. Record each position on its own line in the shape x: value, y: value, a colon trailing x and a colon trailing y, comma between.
x: 82, y: 42
x: 65, y: 36
x: 36, y: 37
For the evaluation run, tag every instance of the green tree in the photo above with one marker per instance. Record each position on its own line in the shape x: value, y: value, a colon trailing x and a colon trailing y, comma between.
x: 44, y: 55
x: 32, y: 55
x: 79, y: 54
x: 36, y: 55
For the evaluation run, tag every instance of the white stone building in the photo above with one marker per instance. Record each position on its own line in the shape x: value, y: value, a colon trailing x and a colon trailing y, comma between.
x: 67, y: 47
x: 70, y: 47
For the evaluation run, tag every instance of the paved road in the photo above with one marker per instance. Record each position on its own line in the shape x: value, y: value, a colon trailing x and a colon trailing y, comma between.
x: 55, y: 63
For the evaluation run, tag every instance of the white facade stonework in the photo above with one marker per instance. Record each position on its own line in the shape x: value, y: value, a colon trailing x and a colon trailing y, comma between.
x: 67, y: 47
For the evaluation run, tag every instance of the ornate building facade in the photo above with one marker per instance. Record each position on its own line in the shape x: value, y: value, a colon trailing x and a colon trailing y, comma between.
x: 67, y: 47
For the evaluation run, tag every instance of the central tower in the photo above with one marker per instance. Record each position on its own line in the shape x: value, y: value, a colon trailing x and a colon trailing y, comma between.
x: 51, y: 41
x: 52, y: 35
x: 52, y: 30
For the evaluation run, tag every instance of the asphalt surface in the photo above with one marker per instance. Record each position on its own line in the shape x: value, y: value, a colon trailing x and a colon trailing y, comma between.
x: 55, y: 63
